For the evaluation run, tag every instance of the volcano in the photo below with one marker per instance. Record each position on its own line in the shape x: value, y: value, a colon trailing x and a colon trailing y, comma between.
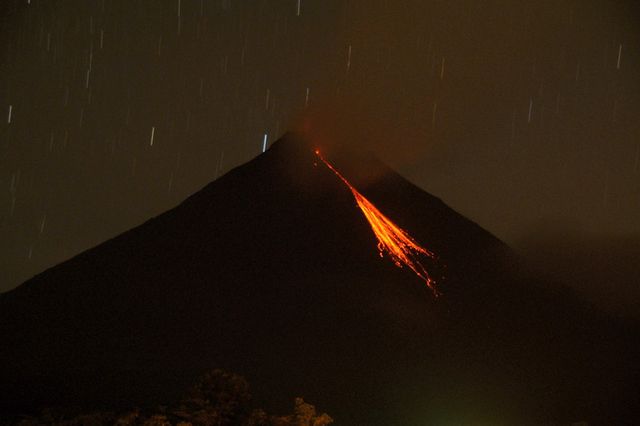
x: 273, y: 272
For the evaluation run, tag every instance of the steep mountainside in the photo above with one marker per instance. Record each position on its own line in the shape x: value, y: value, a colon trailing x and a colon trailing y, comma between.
x: 272, y: 272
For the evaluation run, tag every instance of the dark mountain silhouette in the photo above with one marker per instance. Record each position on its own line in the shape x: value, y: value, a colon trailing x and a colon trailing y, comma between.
x: 272, y: 272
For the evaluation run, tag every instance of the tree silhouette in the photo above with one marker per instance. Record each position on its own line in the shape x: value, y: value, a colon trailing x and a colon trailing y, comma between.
x: 218, y: 398
x: 304, y: 414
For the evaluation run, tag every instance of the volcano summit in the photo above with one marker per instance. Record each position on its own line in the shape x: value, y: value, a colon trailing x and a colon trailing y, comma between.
x: 273, y: 272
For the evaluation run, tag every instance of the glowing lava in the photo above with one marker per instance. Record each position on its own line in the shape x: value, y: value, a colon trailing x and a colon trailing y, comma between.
x: 393, y: 240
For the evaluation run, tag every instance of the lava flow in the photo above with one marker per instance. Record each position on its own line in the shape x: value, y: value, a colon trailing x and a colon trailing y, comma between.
x: 399, y: 246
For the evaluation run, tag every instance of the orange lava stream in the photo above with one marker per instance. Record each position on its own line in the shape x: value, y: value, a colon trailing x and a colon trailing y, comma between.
x: 393, y: 240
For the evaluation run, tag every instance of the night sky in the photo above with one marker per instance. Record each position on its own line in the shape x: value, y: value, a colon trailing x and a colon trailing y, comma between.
x: 521, y: 115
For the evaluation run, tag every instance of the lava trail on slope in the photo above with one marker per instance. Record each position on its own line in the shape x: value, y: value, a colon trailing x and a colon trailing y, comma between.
x: 393, y: 240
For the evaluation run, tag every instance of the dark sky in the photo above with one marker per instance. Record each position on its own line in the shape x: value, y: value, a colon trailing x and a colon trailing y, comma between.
x: 522, y: 115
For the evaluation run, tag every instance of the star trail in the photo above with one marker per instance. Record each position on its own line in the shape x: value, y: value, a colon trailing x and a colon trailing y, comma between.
x: 515, y: 114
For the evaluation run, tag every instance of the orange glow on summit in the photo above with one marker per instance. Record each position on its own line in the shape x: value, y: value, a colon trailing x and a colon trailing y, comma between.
x: 392, y: 240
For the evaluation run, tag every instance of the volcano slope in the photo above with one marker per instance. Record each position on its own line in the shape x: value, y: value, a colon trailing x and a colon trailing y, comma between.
x: 272, y: 272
